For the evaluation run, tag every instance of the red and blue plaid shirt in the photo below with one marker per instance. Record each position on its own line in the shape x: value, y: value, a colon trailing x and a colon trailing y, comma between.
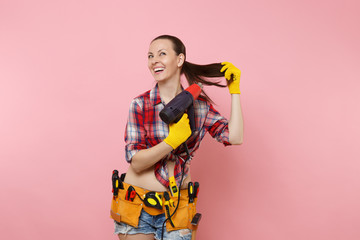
x: 145, y: 129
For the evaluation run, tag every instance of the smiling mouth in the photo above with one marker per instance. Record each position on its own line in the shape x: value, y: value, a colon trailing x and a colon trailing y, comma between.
x: 159, y: 70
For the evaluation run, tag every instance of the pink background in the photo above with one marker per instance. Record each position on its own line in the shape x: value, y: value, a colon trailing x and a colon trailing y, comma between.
x: 69, y: 69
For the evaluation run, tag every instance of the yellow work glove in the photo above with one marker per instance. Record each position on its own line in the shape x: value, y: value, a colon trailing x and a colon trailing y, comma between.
x: 234, y: 86
x: 178, y: 132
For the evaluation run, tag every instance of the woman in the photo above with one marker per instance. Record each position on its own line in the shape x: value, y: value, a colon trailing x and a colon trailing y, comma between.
x: 155, y: 151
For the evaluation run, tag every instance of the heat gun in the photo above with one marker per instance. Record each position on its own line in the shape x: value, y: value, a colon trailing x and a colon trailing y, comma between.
x: 181, y: 103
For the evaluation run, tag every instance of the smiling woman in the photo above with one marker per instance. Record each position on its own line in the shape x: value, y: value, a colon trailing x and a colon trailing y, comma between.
x: 165, y: 49
x: 157, y: 188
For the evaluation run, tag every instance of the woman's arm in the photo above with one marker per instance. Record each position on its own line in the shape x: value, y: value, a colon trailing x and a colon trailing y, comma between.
x: 178, y: 133
x: 236, y: 125
x: 236, y: 120
x: 146, y: 158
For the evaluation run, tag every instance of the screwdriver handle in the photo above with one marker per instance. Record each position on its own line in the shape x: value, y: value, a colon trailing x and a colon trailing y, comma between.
x: 196, y: 189
x: 191, y: 192
x: 115, y: 183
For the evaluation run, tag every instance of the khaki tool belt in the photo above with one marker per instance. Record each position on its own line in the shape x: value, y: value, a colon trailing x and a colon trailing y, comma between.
x: 128, y: 212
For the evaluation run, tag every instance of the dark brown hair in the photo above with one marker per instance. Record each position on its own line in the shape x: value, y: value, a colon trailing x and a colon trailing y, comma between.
x: 195, y: 73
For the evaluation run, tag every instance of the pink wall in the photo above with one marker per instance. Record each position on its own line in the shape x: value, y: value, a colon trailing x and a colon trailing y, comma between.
x: 68, y: 70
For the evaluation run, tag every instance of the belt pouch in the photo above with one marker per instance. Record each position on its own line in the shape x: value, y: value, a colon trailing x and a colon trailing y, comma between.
x: 183, y: 214
x: 128, y: 212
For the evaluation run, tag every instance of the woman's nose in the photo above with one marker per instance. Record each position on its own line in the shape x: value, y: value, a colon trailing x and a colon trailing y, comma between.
x: 154, y: 60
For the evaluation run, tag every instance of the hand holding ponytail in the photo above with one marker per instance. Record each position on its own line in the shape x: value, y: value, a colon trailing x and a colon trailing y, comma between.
x: 232, y: 73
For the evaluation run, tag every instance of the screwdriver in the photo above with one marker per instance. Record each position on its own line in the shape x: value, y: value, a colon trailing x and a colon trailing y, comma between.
x: 191, y: 192
x: 196, y: 189
x: 115, y: 183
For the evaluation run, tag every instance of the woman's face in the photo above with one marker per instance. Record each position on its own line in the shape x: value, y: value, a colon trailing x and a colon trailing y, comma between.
x: 163, y: 62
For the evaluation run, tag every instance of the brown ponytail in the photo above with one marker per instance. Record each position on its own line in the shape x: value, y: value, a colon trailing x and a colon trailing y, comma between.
x: 195, y: 73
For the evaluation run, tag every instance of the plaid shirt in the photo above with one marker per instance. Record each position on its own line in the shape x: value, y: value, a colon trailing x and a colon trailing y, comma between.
x: 145, y: 129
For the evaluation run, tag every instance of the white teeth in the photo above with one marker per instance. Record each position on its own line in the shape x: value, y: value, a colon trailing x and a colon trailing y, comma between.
x: 158, y: 69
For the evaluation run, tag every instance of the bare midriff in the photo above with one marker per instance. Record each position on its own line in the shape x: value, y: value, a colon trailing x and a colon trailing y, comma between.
x: 147, y: 180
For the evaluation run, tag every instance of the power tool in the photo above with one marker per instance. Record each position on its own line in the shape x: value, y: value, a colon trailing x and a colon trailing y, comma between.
x: 181, y: 103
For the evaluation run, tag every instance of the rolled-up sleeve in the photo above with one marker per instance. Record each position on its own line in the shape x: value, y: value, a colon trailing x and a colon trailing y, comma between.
x: 217, y: 126
x: 135, y: 132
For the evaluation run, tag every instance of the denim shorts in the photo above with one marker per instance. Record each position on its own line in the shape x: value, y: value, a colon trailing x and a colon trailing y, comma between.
x: 149, y: 224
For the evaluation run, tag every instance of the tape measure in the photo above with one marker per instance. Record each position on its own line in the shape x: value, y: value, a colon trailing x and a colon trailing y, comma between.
x: 153, y: 199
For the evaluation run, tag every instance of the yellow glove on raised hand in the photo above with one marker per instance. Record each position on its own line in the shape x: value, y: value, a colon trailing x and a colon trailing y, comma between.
x: 178, y: 132
x: 234, y: 86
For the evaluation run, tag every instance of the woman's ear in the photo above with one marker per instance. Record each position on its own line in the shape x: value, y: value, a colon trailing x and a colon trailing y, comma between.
x: 181, y: 59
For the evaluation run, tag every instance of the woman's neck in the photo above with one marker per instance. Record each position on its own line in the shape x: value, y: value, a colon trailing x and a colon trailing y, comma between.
x: 168, y: 90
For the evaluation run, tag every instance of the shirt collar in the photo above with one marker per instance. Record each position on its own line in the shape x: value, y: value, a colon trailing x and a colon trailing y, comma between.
x: 155, y: 95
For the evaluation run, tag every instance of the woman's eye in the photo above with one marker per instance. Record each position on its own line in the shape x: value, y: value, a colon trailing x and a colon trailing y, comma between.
x: 162, y: 53
x: 149, y: 56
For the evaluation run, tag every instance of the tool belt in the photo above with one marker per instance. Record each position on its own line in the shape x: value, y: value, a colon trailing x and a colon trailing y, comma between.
x: 126, y: 207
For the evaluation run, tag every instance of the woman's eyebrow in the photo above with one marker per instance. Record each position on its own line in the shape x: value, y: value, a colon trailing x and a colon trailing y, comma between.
x: 158, y: 51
